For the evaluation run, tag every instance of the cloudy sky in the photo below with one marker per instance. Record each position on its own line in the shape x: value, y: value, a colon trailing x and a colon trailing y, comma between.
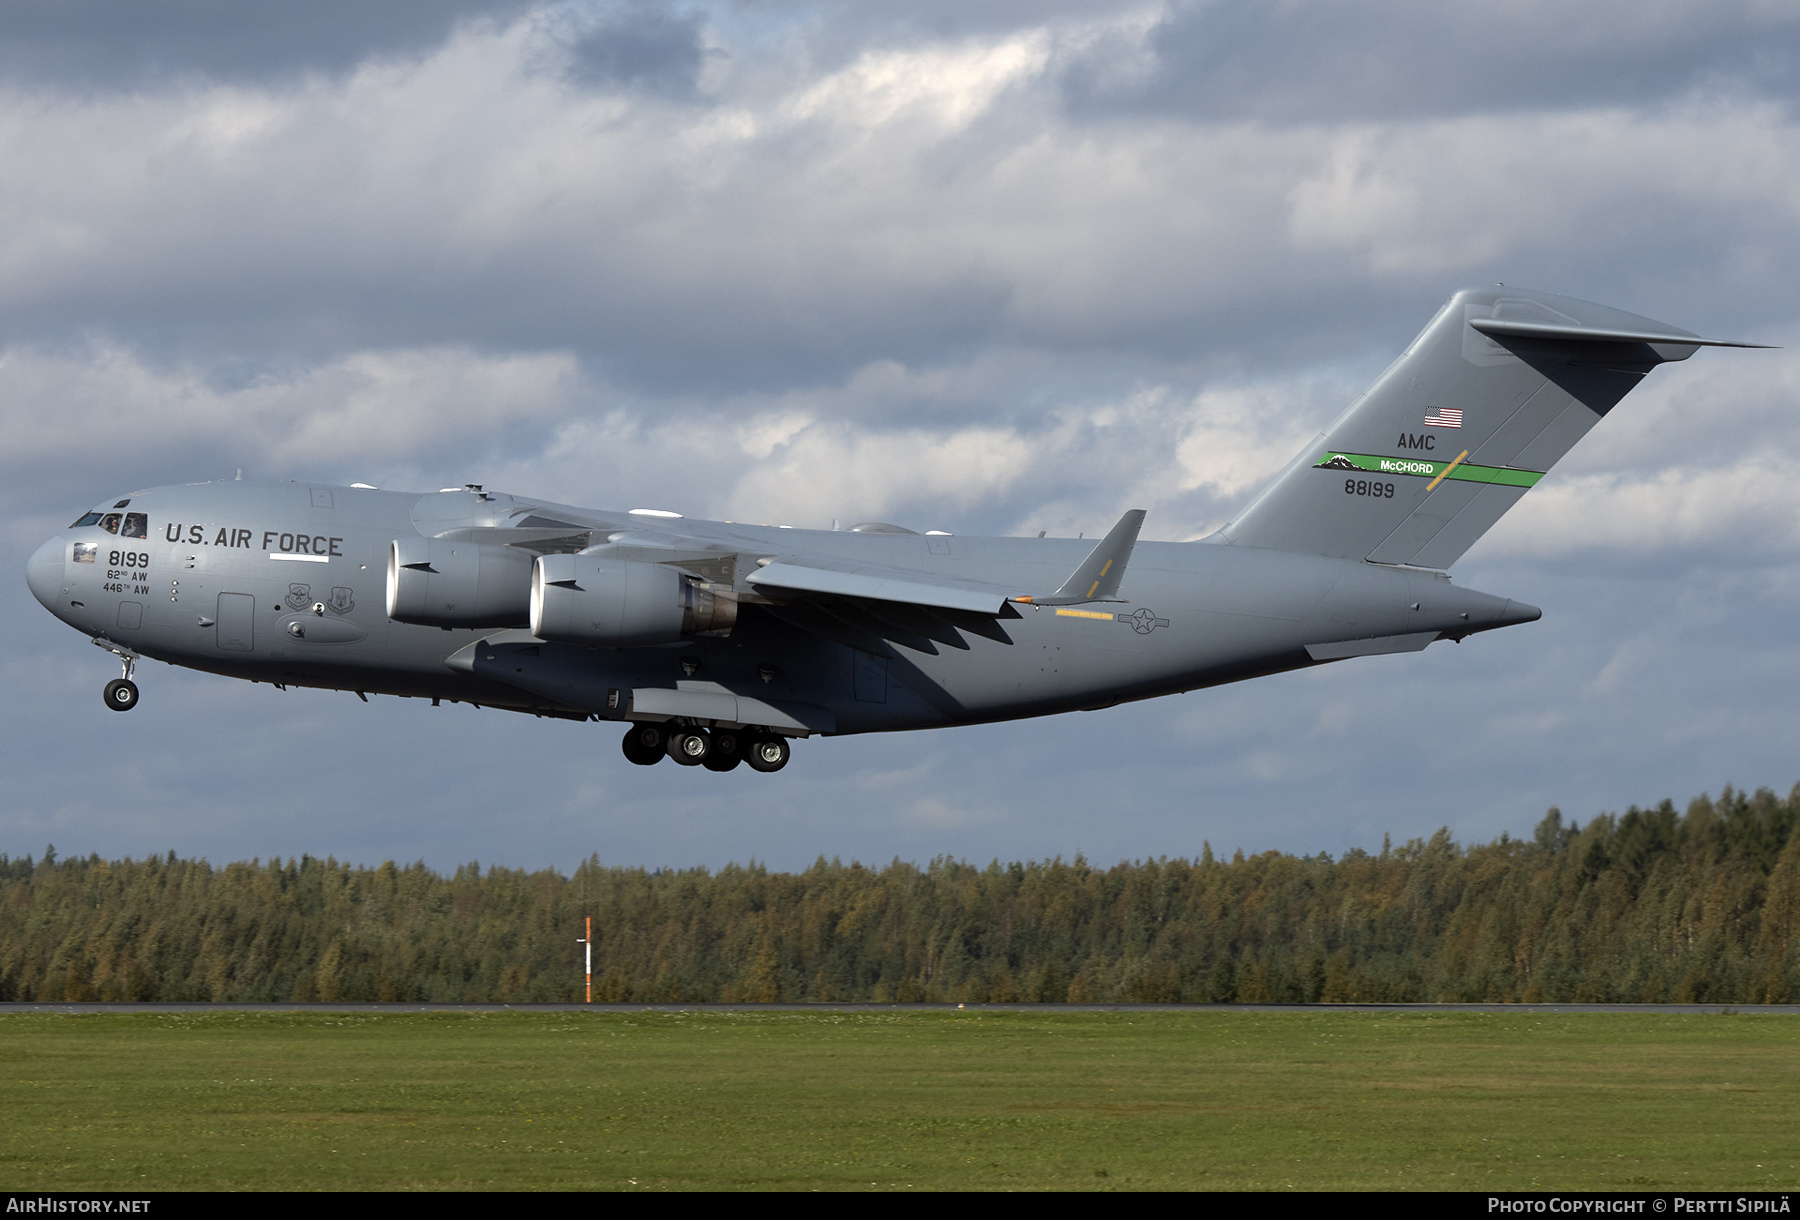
x: 988, y: 269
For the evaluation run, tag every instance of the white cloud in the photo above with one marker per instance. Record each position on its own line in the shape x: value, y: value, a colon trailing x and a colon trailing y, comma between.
x: 103, y: 407
x: 860, y: 271
x: 1443, y: 197
x: 951, y: 85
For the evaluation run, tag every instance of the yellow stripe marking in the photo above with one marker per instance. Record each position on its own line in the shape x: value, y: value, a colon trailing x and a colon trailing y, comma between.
x: 1107, y: 568
x: 1092, y: 587
x: 1082, y: 614
x: 1432, y: 486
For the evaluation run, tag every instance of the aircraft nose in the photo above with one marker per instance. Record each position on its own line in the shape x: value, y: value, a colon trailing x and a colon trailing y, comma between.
x: 44, y: 571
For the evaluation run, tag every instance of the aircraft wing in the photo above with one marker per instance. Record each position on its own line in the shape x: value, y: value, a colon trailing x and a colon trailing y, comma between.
x: 867, y: 605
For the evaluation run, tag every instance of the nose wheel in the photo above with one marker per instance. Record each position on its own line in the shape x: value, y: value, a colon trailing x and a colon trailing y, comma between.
x: 121, y: 693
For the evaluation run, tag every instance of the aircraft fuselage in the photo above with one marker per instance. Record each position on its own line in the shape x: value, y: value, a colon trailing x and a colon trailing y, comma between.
x: 287, y: 583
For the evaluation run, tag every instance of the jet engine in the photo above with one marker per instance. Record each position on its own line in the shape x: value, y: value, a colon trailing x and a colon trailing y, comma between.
x: 620, y: 603
x: 439, y: 583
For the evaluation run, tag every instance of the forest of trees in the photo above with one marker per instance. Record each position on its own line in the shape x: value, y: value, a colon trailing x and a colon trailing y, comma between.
x: 1648, y: 906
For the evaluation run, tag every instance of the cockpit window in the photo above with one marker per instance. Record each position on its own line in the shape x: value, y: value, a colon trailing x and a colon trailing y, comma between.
x: 87, y: 519
x: 110, y: 523
x: 123, y: 503
x: 136, y: 525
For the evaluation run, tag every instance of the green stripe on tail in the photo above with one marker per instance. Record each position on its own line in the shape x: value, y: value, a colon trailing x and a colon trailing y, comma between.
x: 1421, y: 468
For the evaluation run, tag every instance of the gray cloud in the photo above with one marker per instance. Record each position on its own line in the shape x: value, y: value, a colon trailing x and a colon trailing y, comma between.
x: 642, y: 46
x: 112, y: 45
x: 1318, y: 61
x: 919, y: 205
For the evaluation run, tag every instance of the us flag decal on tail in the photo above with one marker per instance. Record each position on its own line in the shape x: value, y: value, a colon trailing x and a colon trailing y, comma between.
x: 1443, y: 417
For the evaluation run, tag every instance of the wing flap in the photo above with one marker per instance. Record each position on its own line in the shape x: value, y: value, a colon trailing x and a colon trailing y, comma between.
x: 877, y: 583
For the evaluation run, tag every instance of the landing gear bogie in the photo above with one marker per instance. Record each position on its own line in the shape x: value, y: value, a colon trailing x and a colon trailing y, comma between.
x: 648, y: 743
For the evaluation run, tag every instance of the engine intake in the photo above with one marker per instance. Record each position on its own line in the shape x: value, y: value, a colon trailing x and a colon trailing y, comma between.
x: 621, y: 603
x: 439, y: 583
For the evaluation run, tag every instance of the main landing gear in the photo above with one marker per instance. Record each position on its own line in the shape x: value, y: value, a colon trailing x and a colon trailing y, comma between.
x: 121, y: 694
x: 715, y: 749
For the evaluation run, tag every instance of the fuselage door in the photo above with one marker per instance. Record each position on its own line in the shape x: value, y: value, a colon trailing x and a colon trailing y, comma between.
x: 237, y: 618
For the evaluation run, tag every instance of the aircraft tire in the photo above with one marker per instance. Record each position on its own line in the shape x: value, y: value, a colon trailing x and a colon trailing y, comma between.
x: 727, y: 750
x: 643, y: 744
x: 689, y: 747
x: 768, y: 754
x: 121, y: 694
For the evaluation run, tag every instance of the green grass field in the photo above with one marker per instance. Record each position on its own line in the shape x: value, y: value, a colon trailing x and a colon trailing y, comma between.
x: 920, y: 1100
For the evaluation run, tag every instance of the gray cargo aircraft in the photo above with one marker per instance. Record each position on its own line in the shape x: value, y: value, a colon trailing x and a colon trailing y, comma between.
x: 720, y: 642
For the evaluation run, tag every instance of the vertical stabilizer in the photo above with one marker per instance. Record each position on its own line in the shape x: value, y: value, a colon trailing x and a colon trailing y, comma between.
x: 1497, y: 387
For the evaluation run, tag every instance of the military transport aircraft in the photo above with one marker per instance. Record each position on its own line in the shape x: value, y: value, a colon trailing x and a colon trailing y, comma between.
x: 719, y: 642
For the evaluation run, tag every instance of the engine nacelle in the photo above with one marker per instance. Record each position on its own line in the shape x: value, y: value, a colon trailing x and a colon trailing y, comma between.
x: 620, y: 603
x: 439, y: 583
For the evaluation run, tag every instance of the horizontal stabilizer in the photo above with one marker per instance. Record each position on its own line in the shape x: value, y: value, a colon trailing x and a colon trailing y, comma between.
x: 1097, y: 579
x: 1508, y: 328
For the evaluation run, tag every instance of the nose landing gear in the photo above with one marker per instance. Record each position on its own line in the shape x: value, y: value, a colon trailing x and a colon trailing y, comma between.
x: 121, y: 694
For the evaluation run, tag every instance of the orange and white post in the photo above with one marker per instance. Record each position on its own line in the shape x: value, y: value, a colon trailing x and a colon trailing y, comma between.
x: 588, y: 940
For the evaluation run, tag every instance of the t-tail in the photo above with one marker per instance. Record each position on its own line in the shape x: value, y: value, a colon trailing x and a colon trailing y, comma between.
x: 1495, y: 390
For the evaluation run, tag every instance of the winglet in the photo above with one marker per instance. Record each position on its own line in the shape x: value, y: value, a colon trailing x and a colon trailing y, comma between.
x: 1097, y: 579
